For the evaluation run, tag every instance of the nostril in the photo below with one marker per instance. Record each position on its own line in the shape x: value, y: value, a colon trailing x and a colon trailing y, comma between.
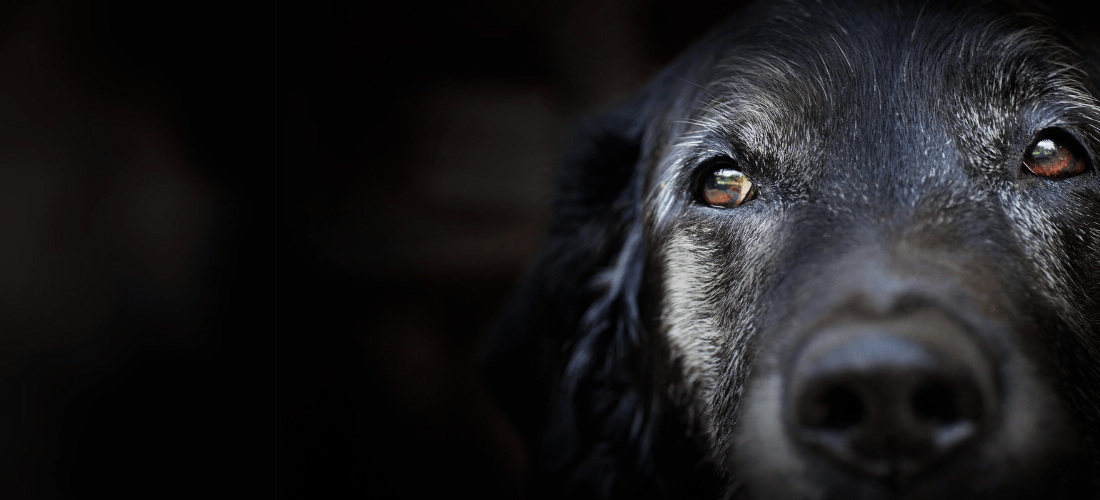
x: 837, y: 408
x: 937, y: 402
x: 951, y: 412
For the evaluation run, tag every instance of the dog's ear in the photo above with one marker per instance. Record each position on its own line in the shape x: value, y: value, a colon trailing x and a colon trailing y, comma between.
x: 594, y: 212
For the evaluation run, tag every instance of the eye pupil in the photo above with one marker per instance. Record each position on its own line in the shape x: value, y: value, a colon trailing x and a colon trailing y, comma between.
x: 726, y: 188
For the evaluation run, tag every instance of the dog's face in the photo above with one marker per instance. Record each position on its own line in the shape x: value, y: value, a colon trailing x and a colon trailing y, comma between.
x: 862, y: 248
x: 878, y: 240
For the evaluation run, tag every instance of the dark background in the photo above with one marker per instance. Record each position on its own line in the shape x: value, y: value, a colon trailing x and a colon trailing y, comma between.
x: 416, y: 159
x: 137, y: 249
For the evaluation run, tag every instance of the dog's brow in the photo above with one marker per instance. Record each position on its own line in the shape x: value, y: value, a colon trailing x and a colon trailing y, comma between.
x: 779, y: 103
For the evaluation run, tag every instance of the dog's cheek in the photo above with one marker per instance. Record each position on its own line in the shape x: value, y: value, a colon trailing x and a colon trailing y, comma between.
x: 1038, y: 237
x: 691, y: 321
x: 714, y: 275
x: 1061, y: 237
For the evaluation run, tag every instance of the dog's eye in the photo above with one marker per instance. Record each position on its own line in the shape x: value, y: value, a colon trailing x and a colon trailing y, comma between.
x: 1054, y: 157
x: 726, y: 188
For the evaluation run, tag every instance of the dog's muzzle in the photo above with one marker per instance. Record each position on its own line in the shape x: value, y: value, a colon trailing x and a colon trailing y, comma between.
x: 890, y: 398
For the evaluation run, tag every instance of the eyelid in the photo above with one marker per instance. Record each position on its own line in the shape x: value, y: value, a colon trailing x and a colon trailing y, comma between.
x: 698, y: 173
x: 736, y: 162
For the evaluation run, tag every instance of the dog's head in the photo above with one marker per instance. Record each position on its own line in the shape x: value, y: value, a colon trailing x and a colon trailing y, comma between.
x: 832, y: 252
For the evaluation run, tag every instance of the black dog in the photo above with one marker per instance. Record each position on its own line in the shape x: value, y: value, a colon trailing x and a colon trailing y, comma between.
x: 835, y: 251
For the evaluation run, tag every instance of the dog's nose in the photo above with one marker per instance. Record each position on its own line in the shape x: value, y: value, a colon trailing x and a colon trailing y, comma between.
x: 890, y: 399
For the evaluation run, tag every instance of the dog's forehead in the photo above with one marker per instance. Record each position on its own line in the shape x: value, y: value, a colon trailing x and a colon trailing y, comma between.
x: 808, y: 81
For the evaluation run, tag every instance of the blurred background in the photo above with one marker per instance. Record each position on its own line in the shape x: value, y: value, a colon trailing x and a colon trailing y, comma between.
x: 137, y: 249
x: 416, y: 161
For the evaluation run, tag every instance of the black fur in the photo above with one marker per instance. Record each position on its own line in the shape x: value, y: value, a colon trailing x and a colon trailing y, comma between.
x: 836, y: 111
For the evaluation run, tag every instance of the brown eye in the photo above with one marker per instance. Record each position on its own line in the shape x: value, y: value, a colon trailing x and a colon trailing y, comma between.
x: 727, y: 188
x: 1052, y: 158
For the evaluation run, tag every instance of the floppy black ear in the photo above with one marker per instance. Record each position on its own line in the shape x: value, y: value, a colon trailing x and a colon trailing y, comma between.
x: 560, y: 359
x: 590, y: 215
